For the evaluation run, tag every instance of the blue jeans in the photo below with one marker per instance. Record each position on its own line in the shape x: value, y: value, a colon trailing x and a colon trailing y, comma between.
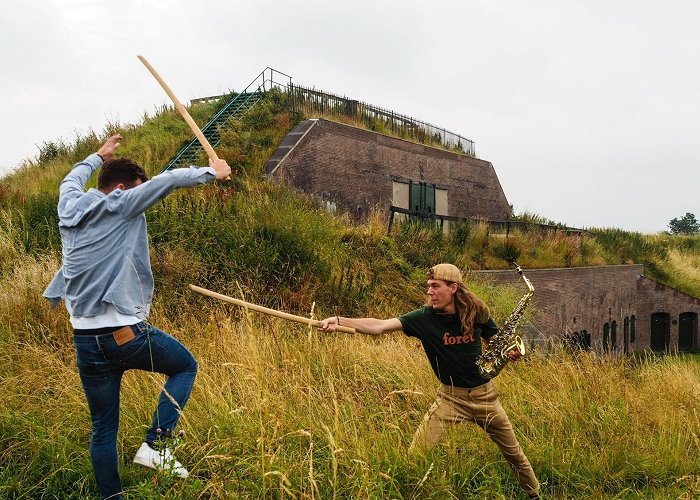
x: 101, y: 364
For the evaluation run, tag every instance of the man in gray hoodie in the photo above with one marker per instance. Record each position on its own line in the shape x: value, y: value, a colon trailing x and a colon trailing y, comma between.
x: 107, y: 285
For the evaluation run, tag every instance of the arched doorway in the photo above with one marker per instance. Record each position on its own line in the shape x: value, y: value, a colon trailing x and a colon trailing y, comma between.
x: 660, y: 331
x: 613, y: 335
x: 687, y: 331
x: 626, y: 335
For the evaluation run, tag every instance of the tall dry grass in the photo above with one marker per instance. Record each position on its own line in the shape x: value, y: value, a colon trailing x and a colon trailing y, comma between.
x: 684, y: 270
x: 281, y: 411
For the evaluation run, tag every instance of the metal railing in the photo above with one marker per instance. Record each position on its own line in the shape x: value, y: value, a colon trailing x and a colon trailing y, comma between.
x: 268, y: 82
x: 310, y: 101
x: 239, y: 104
x: 260, y: 83
x: 306, y: 101
x: 500, y: 226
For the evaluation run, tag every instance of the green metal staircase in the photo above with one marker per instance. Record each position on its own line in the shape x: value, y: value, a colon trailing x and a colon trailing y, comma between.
x: 240, y: 103
x: 189, y: 153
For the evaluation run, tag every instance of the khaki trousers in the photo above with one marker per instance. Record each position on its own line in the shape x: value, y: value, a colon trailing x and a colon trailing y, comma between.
x: 481, y: 406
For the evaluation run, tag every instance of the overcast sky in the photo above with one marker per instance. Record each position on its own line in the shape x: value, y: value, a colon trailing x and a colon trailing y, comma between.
x: 588, y: 110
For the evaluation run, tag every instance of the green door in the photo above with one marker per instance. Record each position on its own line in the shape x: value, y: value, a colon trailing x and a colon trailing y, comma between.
x: 421, y: 197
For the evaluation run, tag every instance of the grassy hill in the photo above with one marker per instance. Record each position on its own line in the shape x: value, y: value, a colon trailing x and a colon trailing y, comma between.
x: 280, y: 411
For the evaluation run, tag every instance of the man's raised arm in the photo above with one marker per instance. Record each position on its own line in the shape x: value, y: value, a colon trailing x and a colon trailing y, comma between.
x: 74, y: 183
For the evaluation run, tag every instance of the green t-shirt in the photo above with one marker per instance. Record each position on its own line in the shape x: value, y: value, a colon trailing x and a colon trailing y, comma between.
x: 451, y: 354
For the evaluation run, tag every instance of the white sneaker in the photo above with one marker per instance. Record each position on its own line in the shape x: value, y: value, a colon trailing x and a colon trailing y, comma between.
x: 160, y: 460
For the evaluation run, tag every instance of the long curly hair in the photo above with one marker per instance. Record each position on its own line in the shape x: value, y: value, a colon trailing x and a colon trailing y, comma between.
x: 470, y: 309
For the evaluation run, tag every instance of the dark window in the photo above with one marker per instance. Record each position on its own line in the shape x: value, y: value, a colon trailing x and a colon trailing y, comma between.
x: 575, y: 340
x: 586, y: 339
x: 660, y: 331
x: 613, y: 335
x: 687, y: 331
x: 606, y: 337
x: 633, y: 329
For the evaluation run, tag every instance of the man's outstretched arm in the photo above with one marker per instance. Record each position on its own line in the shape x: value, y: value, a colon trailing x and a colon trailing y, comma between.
x: 137, y: 200
x: 368, y: 326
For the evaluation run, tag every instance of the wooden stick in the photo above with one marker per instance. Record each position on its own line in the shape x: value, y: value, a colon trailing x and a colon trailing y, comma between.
x: 193, y: 126
x: 271, y: 312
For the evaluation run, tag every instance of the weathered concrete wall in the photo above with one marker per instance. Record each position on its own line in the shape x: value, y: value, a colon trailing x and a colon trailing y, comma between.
x: 355, y: 169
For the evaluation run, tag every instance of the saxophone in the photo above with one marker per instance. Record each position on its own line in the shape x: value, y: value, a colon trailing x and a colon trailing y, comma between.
x: 495, y: 356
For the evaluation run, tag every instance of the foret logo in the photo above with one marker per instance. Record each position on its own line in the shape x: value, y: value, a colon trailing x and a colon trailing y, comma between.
x: 448, y: 339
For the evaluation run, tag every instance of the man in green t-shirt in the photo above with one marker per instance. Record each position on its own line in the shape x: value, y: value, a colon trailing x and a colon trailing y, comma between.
x: 451, y: 329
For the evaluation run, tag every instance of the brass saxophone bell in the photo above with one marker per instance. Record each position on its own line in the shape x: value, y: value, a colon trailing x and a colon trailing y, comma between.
x: 516, y: 345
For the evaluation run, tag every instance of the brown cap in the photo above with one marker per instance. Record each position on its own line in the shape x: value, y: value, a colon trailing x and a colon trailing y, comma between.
x: 445, y: 272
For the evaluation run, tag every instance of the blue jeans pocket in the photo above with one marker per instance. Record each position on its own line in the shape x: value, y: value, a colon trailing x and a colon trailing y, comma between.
x: 123, y: 353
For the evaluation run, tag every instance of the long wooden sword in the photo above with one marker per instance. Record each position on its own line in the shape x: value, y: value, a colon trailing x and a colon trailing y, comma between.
x: 193, y: 126
x: 271, y: 312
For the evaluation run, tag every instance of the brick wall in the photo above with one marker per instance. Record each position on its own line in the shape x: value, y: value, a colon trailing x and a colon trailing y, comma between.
x: 571, y: 300
x: 654, y: 297
x: 355, y: 169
